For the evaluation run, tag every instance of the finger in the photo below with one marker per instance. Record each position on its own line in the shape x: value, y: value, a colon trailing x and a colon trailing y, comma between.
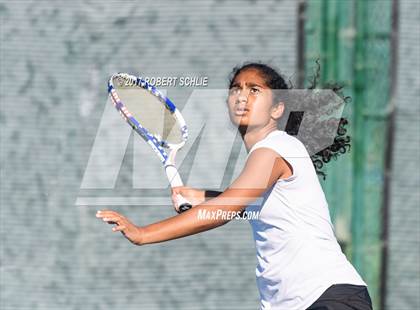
x: 107, y: 213
x: 112, y: 219
x: 176, y: 190
x: 102, y: 214
x: 119, y: 228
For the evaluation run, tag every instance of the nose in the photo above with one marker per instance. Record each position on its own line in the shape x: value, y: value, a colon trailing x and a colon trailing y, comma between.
x: 242, y: 96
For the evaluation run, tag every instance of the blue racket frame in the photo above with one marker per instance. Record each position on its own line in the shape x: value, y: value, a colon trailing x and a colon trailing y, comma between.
x: 158, y: 145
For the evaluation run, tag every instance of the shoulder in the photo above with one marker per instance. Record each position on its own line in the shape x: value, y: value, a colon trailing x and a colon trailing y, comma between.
x: 268, y: 156
x: 283, y: 144
x: 262, y: 169
x: 291, y: 151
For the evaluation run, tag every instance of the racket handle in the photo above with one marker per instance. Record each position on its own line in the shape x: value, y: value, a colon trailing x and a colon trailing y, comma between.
x: 183, y: 204
x: 175, y: 181
x: 173, y: 176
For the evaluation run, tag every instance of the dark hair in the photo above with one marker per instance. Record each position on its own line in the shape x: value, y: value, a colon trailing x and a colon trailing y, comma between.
x: 274, y: 80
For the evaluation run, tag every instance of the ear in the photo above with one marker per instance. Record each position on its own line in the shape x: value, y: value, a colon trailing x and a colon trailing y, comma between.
x: 277, y: 110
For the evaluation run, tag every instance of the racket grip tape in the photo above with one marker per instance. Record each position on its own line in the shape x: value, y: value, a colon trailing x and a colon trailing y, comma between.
x: 175, y: 181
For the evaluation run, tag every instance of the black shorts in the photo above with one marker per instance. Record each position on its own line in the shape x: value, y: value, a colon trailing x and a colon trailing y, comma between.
x: 343, y: 297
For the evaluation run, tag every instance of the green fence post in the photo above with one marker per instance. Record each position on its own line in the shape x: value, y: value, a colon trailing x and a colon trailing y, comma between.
x: 352, y: 40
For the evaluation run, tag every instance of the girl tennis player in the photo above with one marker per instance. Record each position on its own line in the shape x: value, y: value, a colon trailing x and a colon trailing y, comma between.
x: 300, y: 263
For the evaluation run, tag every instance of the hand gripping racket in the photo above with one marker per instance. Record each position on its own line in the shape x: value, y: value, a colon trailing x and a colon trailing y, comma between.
x: 155, y: 118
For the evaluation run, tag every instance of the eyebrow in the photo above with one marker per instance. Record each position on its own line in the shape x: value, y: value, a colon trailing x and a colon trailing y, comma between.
x: 247, y: 84
x: 254, y: 84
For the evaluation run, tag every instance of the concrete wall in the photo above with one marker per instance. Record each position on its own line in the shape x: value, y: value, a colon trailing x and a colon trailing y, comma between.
x: 55, y: 58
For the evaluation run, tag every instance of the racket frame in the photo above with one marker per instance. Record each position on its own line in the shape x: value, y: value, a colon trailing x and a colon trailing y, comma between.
x: 158, y: 145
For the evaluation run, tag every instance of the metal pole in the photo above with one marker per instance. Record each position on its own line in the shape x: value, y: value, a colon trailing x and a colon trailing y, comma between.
x: 388, y: 153
x: 301, y: 43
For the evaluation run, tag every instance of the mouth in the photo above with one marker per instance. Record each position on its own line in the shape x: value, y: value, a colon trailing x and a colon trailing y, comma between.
x: 240, y: 111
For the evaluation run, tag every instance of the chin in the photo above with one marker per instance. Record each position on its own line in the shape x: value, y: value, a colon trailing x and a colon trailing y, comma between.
x: 238, y: 121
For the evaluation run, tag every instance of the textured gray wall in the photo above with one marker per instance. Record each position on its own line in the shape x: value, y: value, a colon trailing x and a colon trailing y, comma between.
x: 403, y: 281
x: 55, y: 57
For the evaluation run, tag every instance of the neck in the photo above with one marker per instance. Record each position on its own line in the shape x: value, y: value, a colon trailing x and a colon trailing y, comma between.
x: 250, y: 136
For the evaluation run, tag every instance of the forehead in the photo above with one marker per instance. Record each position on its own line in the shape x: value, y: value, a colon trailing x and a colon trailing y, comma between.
x: 250, y: 75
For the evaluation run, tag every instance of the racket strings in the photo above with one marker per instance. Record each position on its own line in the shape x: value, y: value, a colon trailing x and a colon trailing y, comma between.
x: 150, y: 112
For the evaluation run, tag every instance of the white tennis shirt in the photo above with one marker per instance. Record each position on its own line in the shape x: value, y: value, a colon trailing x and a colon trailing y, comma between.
x: 298, y: 256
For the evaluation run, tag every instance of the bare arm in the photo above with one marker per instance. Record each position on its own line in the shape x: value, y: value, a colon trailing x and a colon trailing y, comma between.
x: 262, y: 169
x: 193, y: 195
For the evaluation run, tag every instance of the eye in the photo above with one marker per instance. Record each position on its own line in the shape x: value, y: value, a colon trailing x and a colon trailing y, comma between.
x: 234, y: 91
x: 254, y: 90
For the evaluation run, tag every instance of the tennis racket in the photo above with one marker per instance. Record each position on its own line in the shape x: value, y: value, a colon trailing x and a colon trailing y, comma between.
x: 155, y: 118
